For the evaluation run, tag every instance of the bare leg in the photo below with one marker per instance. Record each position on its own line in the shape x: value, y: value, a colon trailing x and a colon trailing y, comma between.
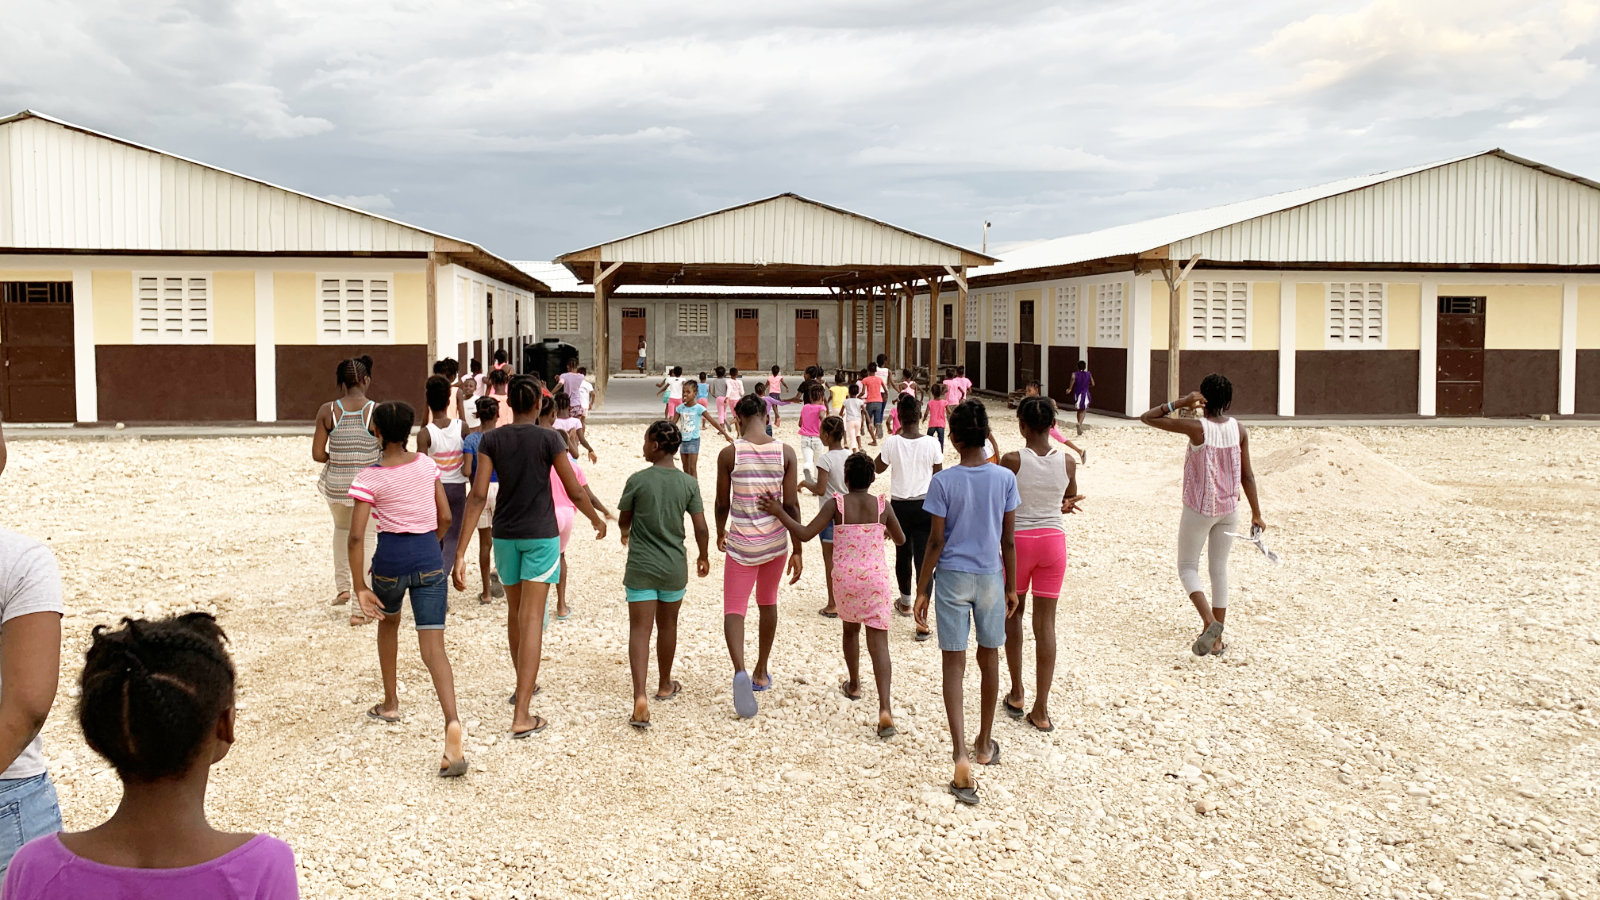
x: 666, y: 645
x: 1044, y: 648
x: 989, y: 692
x: 852, y: 659
x: 530, y: 620
x: 431, y: 643
x: 641, y: 619
x: 485, y: 562
x: 769, y: 631
x: 827, y: 574
x: 733, y: 633
x: 561, y: 591
x: 955, y: 669
x: 691, y: 464
x: 1014, y: 652
x: 513, y: 617
x: 878, y: 650
x: 388, y: 656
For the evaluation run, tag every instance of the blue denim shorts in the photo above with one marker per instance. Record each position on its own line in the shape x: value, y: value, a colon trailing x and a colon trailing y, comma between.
x: 28, y: 810
x: 875, y: 412
x: 827, y: 533
x: 690, y: 447
x: 962, y: 596
x: 430, y: 596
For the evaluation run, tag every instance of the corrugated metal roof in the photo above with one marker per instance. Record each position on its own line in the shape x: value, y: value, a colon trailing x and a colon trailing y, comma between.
x: 1187, y: 228
x: 561, y: 280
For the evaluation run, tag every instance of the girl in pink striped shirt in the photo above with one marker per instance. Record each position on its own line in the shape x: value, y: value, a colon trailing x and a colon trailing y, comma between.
x: 1215, y: 469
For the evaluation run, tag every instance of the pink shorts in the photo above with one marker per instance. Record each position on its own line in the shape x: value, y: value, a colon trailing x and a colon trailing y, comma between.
x: 1041, y: 562
x: 565, y: 516
x: 738, y: 579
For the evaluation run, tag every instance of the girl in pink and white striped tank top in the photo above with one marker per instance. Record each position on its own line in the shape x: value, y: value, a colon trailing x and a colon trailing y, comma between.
x: 755, y: 536
x: 1211, y: 478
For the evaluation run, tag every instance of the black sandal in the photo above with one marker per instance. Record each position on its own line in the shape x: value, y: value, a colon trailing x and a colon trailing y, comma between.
x: 967, y: 796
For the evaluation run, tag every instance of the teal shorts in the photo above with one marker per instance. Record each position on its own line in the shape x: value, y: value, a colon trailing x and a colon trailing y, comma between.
x: 536, y: 559
x: 639, y: 595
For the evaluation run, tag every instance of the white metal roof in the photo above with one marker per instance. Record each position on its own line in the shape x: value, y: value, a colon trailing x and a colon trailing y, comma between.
x: 561, y: 280
x: 1433, y: 213
x: 67, y: 187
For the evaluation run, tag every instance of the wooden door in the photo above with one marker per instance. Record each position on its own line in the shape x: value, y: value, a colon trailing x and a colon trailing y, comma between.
x: 633, y: 330
x: 1459, y: 371
x: 36, y: 340
x: 806, y: 322
x: 947, y: 341
x: 747, y: 339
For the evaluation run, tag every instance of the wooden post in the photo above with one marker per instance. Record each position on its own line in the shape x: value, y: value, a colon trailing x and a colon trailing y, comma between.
x: 903, y: 315
x: 855, y: 330
x: 839, y: 359
x: 959, y: 326
x: 935, y: 322
x: 432, y: 285
x: 1175, y: 280
x: 602, y: 329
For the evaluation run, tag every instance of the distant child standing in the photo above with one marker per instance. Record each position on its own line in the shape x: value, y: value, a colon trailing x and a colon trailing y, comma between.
x: 717, y: 393
x: 811, y: 416
x: 704, y: 388
x: 735, y: 389
x: 691, y: 414
x: 641, y: 356
x: 652, y: 508
x: 405, y: 495
x: 1047, y: 482
x: 441, y: 440
x: 344, y: 444
x: 912, y: 459
x: 775, y: 391
x: 1082, y: 382
x: 755, y: 543
x: 936, y: 414
x: 157, y: 703
x: 862, y: 586
x: 769, y: 405
x: 973, y: 551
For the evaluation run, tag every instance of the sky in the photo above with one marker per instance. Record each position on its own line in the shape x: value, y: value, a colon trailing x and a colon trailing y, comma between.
x: 534, y: 128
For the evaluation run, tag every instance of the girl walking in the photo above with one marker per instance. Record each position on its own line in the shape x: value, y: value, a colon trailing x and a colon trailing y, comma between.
x: 854, y: 415
x: 344, y: 444
x: 691, y: 414
x: 566, y: 509
x: 829, y: 483
x: 527, y: 542
x: 652, y: 508
x: 404, y: 493
x: 912, y: 459
x: 937, y: 405
x: 157, y: 703
x: 861, y: 584
x: 1082, y: 382
x: 488, y: 409
x: 1034, y: 389
x: 1048, y: 485
x: 441, y: 440
x: 755, y: 543
x: 718, y: 393
x: 671, y: 387
x: 1215, y: 469
x: 811, y: 415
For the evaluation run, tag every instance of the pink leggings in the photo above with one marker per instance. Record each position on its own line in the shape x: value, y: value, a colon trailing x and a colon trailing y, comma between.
x: 1056, y: 433
x: 738, y: 579
x: 722, y: 410
x: 1041, y: 562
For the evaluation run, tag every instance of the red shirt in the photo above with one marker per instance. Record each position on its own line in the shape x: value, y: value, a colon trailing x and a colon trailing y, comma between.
x: 872, y: 389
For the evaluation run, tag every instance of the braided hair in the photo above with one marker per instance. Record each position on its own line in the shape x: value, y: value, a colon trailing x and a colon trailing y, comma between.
x: 749, y: 406
x: 1037, y: 413
x: 351, y: 372
x: 859, y: 471
x: 561, y: 401
x: 908, y: 408
x: 833, y: 429
x: 437, y: 390
x: 152, y: 691
x: 392, y: 421
x: 487, y: 408
x: 524, y: 393
x: 665, y: 435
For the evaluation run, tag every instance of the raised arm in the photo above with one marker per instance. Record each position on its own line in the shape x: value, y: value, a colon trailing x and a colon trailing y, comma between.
x: 1161, y: 417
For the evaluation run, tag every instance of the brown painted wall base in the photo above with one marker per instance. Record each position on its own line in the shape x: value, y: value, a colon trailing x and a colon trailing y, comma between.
x: 306, y: 375
x: 1355, y: 383
x: 1588, y: 382
x: 1254, y: 374
x: 1027, y: 366
x: 1109, y: 366
x: 972, y: 358
x: 176, y: 382
x: 1063, y: 362
x: 997, y: 367
x: 1521, y: 382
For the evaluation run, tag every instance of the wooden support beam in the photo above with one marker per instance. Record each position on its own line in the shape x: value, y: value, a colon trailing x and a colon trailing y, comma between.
x: 959, y: 326
x: 1175, y: 279
x: 432, y: 284
x: 855, y: 331
x: 602, y: 329
x: 839, y: 359
x: 935, y: 322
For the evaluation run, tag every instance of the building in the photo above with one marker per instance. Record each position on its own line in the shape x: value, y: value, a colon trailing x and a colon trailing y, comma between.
x: 139, y: 286
x: 1464, y: 287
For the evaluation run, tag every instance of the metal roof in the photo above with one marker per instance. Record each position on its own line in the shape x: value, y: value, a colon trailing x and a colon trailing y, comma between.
x: 156, y: 205
x: 1155, y: 236
x: 560, y: 280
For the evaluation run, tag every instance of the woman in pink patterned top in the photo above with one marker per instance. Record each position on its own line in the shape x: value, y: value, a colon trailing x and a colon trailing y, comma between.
x: 1215, y: 469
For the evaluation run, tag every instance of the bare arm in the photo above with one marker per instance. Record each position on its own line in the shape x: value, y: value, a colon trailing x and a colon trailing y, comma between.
x: 1160, y: 417
x: 723, y: 503
x: 424, y: 440
x: 892, y: 523
x: 702, y: 537
x: 319, y: 438
x: 820, y: 485
x: 1247, y: 478
x: 578, y: 494
x: 930, y: 562
x: 1008, y: 555
x: 30, y: 665
x: 477, y: 499
x: 356, y: 547
x: 802, y: 532
x: 443, y: 506
x: 1071, y: 499
x: 1012, y: 461
x: 624, y: 525
x: 705, y: 415
x: 596, y: 501
x: 879, y: 466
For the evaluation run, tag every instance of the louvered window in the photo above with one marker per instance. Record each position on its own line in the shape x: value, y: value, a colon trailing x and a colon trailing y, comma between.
x: 561, y: 317
x: 1219, y: 314
x: 1000, y: 318
x: 1108, y: 314
x: 694, y: 318
x: 173, y: 309
x: 973, y: 315
x: 880, y: 316
x: 919, y: 318
x: 1355, y: 314
x: 1067, y: 315
x: 355, y: 307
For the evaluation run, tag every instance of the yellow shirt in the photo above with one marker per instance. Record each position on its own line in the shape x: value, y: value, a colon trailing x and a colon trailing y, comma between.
x: 836, y: 395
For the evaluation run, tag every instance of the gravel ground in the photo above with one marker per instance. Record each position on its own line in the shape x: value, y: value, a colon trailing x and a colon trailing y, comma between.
x: 1408, y: 708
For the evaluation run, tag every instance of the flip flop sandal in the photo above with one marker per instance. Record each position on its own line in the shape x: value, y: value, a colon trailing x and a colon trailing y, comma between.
x: 524, y: 735
x: 1207, y: 639
x: 340, y: 601
x: 924, y: 635
x: 641, y: 725
x: 1035, y: 725
x: 846, y: 693
x: 497, y: 588
x: 994, y: 753
x: 455, y: 769
x: 373, y: 713
x: 744, y: 698
x: 967, y: 796
x: 771, y: 680
x: 887, y: 732
x: 512, y: 700
x: 1015, y: 712
x: 827, y: 615
x: 902, y: 610
x: 676, y: 690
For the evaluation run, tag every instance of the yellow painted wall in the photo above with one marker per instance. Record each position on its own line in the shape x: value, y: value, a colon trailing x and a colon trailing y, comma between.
x: 34, y: 275
x: 1310, y: 316
x: 1160, y: 306
x: 411, y: 308
x: 1589, y: 317
x: 113, y: 306
x: 1264, y: 315
x: 233, y: 307
x: 294, y: 307
x: 1520, y: 316
x: 1404, y: 308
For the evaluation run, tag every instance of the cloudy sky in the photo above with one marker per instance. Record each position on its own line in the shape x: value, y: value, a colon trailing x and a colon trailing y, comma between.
x: 539, y: 127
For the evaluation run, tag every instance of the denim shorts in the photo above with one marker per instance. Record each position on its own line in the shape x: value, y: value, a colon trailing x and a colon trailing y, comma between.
x: 978, y: 597
x: 430, y: 596
x: 639, y: 595
x: 28, y: 810
x: 827, y: 533
x: 690, y: 448
x: 875, y: 412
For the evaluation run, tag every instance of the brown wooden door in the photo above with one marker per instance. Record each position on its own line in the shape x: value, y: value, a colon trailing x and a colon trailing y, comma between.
x: 633, y: 329
x: 805, y: 338
x: 747, y: 339
x: 36, y: 345
x: 1459, y: 372
x: 947, y: 341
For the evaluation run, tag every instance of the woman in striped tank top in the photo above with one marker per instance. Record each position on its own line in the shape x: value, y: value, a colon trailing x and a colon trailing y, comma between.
x: 344, y: 444
x: 755, y: 542
x: 1215, y: 469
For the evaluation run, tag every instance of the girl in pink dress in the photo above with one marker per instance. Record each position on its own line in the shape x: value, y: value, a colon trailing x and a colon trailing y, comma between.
x: 863, y: 586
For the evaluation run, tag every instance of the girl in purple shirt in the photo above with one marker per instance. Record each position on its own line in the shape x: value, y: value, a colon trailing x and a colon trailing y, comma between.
x: 157, y: 703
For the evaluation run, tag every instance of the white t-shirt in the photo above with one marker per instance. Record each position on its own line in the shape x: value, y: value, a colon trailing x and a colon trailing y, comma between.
x: 674, y: 388
x: 832, y: 462
x: 584, y: 391
x: 852, y: 409
x: 911, y: 462
x: 29, y: 583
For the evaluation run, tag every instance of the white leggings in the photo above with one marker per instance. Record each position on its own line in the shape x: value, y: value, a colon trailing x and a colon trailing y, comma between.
x: 1194, y: 530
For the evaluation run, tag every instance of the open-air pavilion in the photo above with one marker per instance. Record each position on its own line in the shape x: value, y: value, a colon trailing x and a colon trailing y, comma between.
x: 783, y: 242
